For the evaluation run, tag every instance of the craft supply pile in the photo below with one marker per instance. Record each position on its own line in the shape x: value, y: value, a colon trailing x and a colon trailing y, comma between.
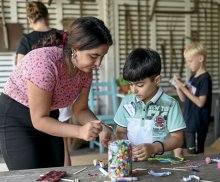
x: 119, y: 167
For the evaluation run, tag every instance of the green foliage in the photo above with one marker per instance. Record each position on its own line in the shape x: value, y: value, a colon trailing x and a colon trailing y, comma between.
x: 121, y: 82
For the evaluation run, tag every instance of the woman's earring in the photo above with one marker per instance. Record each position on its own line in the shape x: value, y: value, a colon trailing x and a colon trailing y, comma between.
x: 73, y: 59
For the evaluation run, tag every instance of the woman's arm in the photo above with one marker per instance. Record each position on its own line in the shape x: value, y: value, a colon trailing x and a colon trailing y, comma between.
x: 39, y: 104
x: 81, y: 109
x: 84, y: 115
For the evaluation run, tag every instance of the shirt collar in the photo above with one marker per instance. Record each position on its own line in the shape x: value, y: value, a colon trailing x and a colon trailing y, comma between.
x: 155, y: 98
x: 157, y: 95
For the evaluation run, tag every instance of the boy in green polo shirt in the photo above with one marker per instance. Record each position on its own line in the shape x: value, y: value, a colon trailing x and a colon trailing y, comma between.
x: 149, y: 118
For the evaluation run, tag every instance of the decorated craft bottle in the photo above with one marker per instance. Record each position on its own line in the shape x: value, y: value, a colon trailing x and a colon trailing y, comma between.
x: 119, y: 158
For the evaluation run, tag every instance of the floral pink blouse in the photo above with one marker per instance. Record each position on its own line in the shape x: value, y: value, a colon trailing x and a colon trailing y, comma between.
x: 45, y: 68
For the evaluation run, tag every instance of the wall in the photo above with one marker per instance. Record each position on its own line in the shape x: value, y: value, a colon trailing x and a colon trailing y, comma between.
x: 172, y: 25
x: 133, y: 24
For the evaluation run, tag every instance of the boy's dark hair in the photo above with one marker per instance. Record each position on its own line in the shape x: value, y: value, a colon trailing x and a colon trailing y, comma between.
x: 140, y: 64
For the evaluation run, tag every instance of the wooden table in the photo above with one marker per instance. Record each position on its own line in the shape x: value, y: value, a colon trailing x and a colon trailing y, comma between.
x: 207, y: 172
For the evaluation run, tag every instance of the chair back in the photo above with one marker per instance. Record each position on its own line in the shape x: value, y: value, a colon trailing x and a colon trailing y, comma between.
x: 99, y: 90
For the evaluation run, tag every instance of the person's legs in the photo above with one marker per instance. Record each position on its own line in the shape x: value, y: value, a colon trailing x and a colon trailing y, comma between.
x: 56, y: 147
x: 191, y: 142
x: 65, y: 115
x: 201, y: 137
x: 67, y: 159
x: 57, y: 152
x: 24, y: 147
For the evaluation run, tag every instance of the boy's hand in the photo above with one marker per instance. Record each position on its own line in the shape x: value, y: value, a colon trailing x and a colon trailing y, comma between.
x: 176, y: 77
x: 176, y: 81
x: 142, y: 151
x: 179, y: 83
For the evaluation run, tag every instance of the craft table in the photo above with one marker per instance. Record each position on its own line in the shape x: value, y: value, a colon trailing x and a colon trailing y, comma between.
x: 207, y: 172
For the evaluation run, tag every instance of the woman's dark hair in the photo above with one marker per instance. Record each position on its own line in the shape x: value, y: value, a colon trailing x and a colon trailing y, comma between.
x: 141, y: 64
x: 37, y: 10
x: 87, y: 33
x: 83, y: 34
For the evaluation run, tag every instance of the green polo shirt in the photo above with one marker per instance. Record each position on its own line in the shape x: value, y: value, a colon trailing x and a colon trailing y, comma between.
x: 160, y: 116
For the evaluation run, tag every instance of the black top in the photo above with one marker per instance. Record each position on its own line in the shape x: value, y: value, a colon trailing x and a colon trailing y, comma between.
x: 197, y: 119
x: 28, y: 40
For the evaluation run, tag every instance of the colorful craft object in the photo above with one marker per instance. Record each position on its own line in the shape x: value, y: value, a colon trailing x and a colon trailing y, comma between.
x: 159, y: 174
x: 191, y: 177
x: 99, y: 166
x: 120, y: 158
x: 208, y: 160
x: 52, y: 176
x: 171, y: 160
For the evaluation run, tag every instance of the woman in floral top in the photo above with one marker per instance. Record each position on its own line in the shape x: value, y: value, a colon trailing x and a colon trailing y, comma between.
x: 49, y: 78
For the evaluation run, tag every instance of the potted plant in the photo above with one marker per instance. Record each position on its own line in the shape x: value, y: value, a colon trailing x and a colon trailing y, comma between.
x: 123, y: 85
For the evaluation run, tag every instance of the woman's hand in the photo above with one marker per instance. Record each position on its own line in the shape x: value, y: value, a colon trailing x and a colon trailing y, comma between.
x: 142, y: 151
x: 90, y: 130
x: 106, y: 135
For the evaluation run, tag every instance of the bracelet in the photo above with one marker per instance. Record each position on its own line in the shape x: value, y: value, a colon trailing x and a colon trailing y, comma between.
x: 162, y: 152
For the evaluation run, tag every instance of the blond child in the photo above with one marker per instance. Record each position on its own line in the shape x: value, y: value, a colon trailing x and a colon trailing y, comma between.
x: 197, y: 97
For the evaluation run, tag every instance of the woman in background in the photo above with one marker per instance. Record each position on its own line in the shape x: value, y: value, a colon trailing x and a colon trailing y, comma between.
x: 38, y: 19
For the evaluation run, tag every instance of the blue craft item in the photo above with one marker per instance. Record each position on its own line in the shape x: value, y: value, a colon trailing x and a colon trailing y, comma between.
x: 159, y: 174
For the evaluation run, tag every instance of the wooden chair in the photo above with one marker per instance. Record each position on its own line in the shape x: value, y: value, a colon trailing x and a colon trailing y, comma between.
x: 107, y: 91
